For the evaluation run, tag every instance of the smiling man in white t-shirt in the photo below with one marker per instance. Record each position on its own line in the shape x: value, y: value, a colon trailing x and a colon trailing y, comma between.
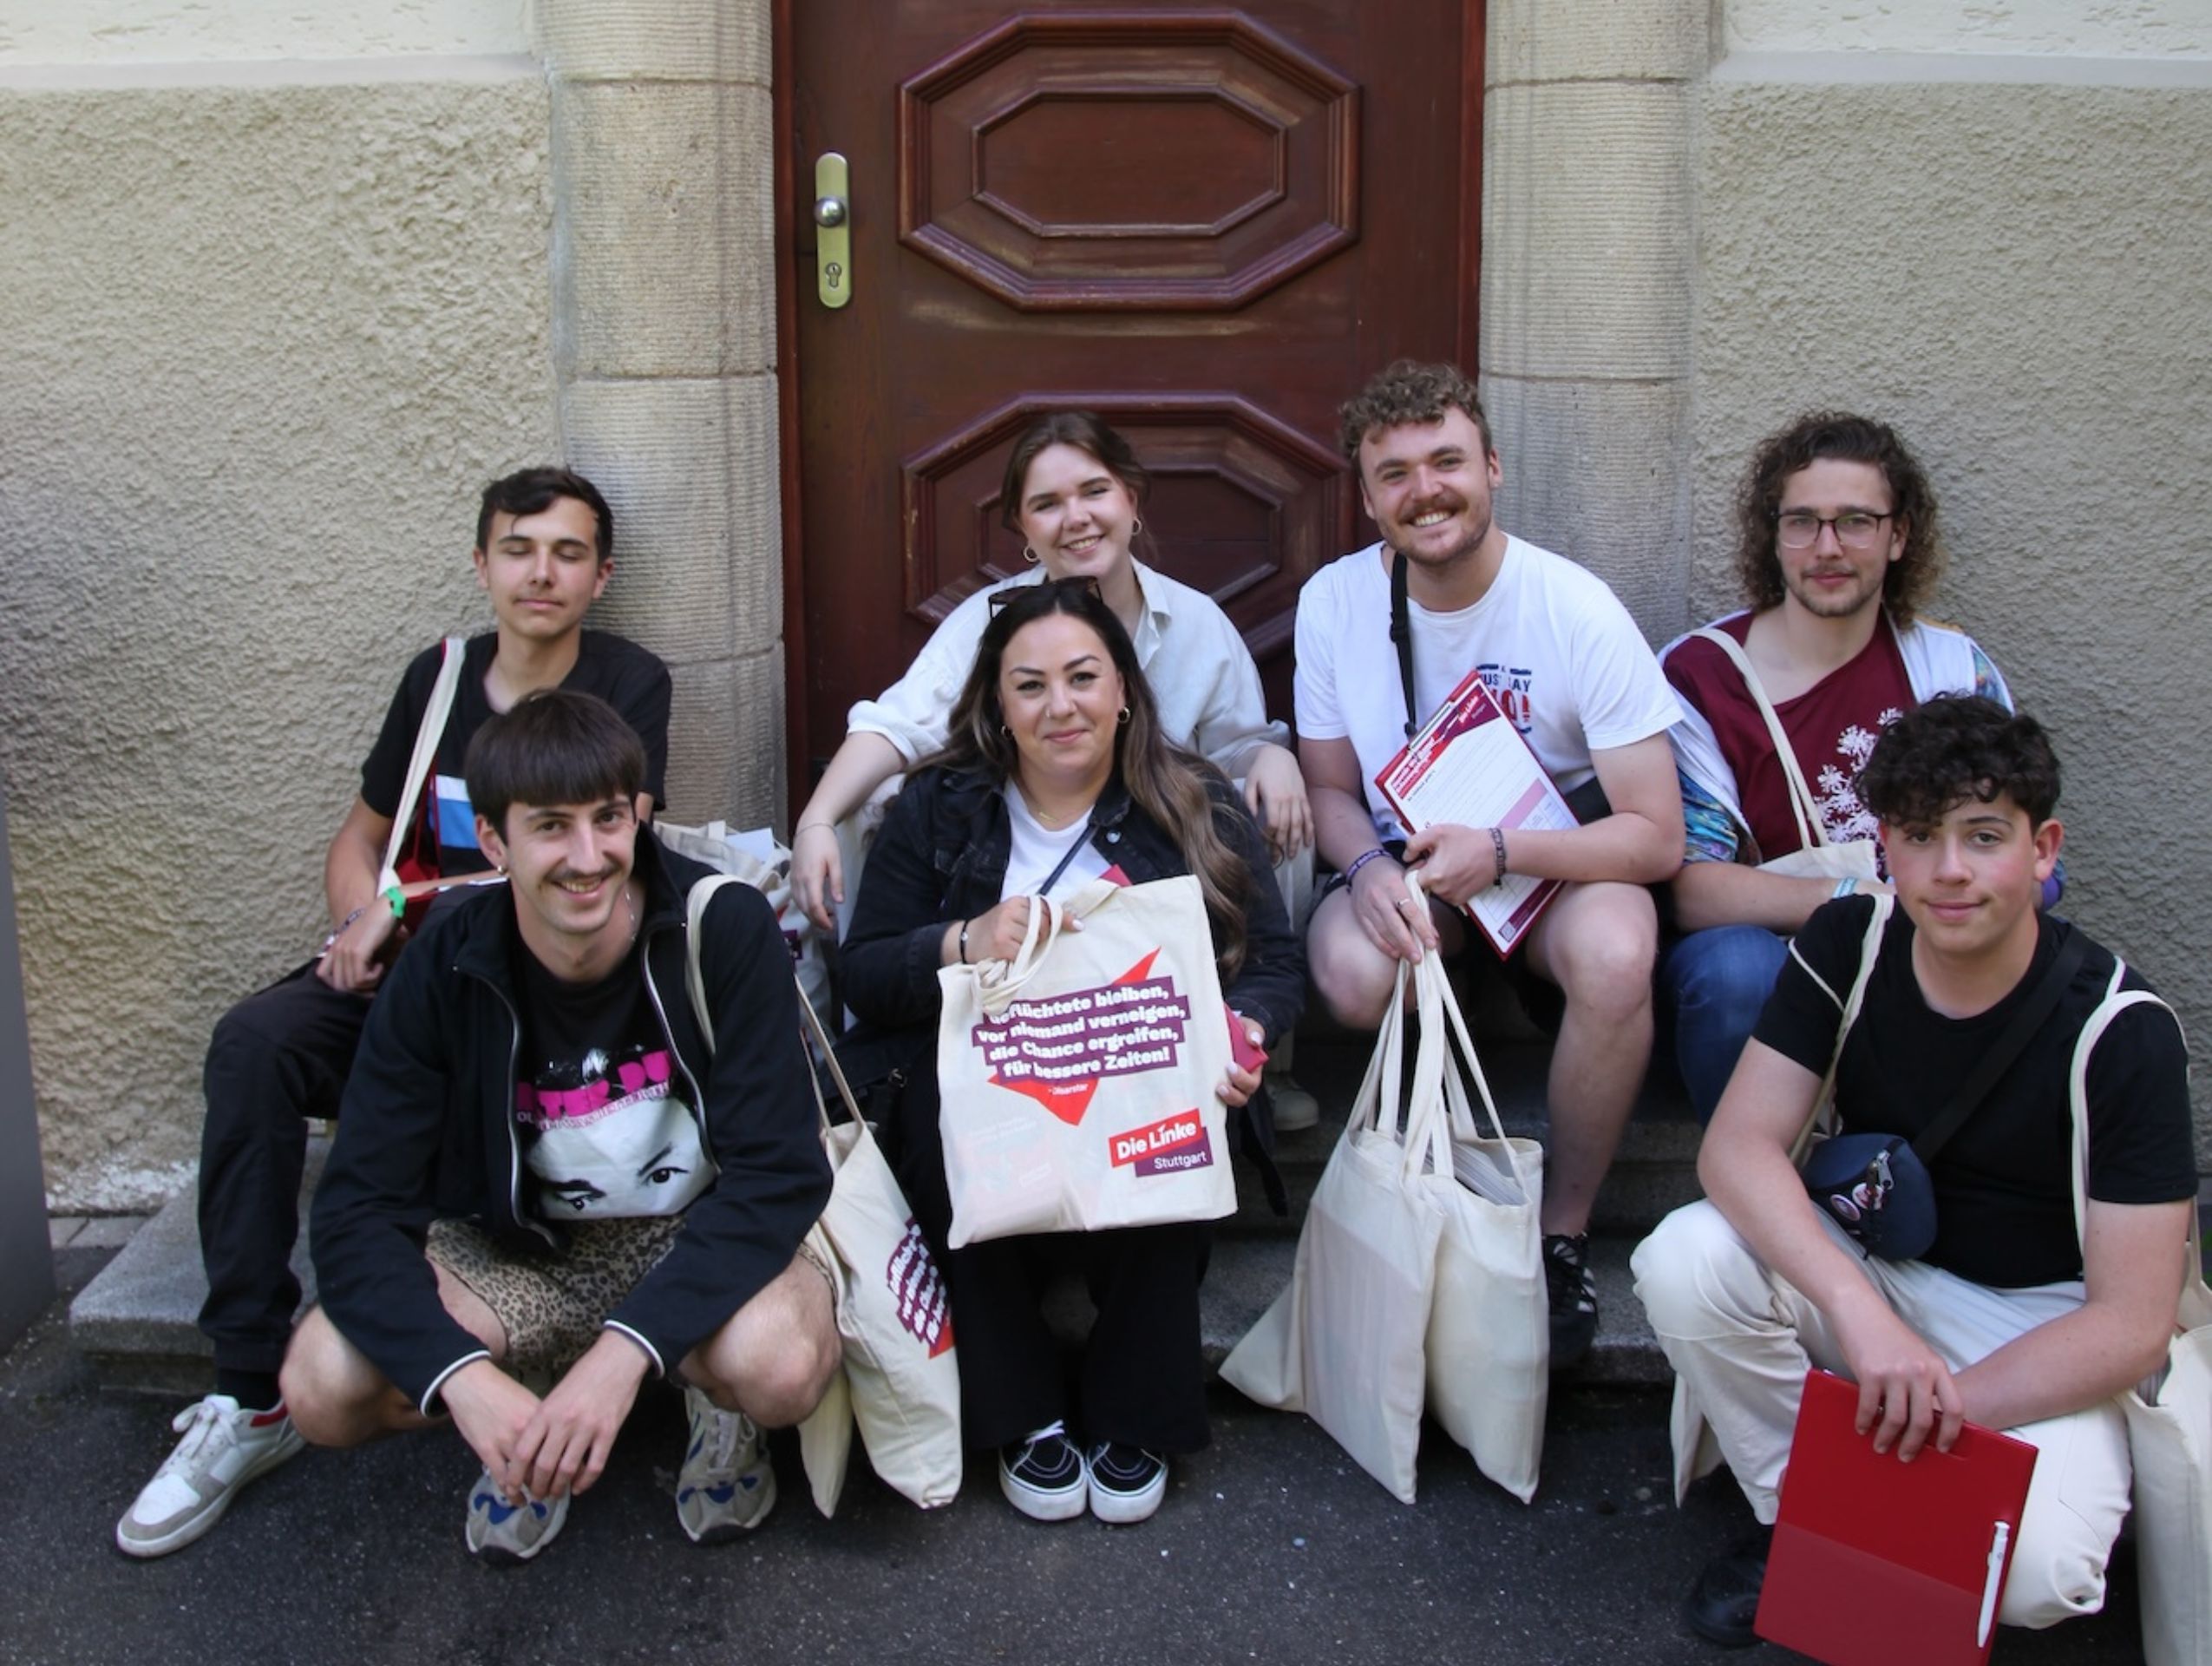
x: 1573, y: 673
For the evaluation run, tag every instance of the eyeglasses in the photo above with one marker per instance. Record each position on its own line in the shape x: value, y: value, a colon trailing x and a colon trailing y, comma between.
x: 1007, y: 596
x: 1854, y: 528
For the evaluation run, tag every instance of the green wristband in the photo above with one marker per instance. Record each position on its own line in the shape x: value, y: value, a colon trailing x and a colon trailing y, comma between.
x: 392, y: 894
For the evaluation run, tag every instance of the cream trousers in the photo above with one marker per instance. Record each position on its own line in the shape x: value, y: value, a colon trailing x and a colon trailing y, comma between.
x: 1741, y: 1338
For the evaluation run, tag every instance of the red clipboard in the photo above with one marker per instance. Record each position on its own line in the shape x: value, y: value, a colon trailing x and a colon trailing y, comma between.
x: 1876, y: 1563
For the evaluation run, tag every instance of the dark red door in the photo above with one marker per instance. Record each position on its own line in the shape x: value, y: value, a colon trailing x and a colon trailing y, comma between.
x: 1208, y: 226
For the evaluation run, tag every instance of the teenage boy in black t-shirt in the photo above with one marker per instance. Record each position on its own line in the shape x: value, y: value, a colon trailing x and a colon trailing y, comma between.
x: 544, y: 553
x: 548, y: 1163
x: 2009, y: 1319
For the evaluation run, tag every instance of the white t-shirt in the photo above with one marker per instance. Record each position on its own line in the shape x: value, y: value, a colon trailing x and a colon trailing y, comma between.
x: 1037, y: 849
x: 1552, y: 643
x: 1201, y: 672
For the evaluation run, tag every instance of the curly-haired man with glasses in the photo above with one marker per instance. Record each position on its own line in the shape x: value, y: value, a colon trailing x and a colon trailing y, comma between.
x: 1838, y: 543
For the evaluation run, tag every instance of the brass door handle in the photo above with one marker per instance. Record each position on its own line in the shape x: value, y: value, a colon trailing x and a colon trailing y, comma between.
x: 832, y: 232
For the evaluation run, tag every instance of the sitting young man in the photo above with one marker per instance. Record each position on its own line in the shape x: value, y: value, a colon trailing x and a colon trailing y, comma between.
x: 2009, y: 1319
x: 1573, y: 674
x: 544, y: 553
x: 543, y: 1161
x: 1837, y: 544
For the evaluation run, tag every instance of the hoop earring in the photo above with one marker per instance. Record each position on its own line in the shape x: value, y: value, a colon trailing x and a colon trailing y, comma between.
x: 1028, y: 554
x: 1005, y: 733
x: 1125, y: 715
x: 1136, y: 526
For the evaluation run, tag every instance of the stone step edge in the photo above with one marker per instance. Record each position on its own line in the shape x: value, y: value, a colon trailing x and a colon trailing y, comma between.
x: 150, y: 1342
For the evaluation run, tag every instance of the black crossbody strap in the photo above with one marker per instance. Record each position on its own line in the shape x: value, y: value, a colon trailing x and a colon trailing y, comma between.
x: 1401, y: 633
x: 1053, y: 878
x: 2033, y: 1012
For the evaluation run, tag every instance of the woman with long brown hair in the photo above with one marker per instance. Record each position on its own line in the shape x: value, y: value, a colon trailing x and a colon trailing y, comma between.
x: 1055, y: 769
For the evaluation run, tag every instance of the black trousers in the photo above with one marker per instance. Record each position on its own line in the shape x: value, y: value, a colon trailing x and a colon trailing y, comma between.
x: 1141, y: 1377
x: 277, y: 1058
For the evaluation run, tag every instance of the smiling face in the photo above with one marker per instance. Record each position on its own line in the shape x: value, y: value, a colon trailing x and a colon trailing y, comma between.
x: 567, y: 868
x: 1970, y: 881
x: 1825, y: 578
x: 1429, y: 488
x: 1077, y: 513
x: 1061, y: 697
x: 543, y: 571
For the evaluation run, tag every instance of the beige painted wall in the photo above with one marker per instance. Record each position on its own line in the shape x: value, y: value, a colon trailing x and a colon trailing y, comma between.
x: 2019, y: 277
x: 176, y: 31
x: 264, y: 343
x: 2130, y: 29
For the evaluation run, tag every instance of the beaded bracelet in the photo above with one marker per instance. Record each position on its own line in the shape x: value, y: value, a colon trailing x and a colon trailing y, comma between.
x: 1497, y: 847
x: 1351, y: 870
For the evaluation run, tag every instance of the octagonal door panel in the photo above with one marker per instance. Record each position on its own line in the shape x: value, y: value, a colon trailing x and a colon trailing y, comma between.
x: 1207, y: 225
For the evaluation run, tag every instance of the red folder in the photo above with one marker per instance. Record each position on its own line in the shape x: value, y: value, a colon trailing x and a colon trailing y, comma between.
x: 1876, y: 1563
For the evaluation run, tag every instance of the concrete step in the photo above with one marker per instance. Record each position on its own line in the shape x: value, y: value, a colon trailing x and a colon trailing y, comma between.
x: 1653, y: 1172
x: 1246, y: 1274
x: 137, y: 1322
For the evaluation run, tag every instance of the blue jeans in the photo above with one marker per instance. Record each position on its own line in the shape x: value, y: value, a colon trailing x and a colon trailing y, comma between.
x: 1715, y: 984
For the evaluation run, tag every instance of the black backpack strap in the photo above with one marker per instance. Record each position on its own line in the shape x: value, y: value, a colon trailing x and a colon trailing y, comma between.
x: 2033, y: 1012
x: 1401, y: 633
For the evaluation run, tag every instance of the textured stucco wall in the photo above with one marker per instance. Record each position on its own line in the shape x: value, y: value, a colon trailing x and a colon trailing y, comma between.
x: 262, y: 345
x: 2019, y: 277
x: 174, y: 31
x: 2106, y: 28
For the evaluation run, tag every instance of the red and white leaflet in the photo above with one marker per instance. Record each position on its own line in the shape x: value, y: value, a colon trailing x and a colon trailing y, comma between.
x: 1469, y: 767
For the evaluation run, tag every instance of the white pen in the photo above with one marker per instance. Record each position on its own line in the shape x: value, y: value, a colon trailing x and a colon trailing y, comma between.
x: 1989, y: 1587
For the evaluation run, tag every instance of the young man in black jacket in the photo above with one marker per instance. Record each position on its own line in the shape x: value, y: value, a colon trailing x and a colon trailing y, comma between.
x: 544, y: 554
x: 543, y: 1158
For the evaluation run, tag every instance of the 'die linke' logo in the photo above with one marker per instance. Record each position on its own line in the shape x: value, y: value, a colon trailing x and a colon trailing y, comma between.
x: 1057, y: 1050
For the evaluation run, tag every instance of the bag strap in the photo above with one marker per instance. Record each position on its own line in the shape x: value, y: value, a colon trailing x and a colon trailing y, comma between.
x: 432, y: 730
x: 1402, y: 634
x: 1869, y: 952
x: 2196, y: 1307
x: 2038, y: 1007
x: 1811, y: 830
x: 1437, y: 995
x: 695, y: 914
x: 1069, y: 856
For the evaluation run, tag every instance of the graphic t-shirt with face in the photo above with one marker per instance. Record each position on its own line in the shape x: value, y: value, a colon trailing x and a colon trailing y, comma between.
x: 598, y: 1104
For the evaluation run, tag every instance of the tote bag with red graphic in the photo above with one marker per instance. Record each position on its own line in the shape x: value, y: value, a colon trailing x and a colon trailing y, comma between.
x: 1078, y: 1078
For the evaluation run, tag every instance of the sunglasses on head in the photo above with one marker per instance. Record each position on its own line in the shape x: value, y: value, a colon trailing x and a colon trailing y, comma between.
x: 1006, y: 596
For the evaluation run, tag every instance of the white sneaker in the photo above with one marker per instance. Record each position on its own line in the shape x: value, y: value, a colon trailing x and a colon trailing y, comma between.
x: 224, y: 1447
x: 726, y: 1487
x: 502, y: 1534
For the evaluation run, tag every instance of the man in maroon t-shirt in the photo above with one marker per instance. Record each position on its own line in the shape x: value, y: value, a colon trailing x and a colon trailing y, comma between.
x: 1837, y: 543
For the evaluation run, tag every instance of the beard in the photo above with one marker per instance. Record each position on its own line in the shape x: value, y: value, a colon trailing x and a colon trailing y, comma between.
x: 1835, y: 604
x: 1476, y: 522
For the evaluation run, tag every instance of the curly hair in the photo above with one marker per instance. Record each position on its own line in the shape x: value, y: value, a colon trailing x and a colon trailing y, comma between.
x: 1957, y: 747
x: 1409, y: 391
x: 1839, y: 435
x: 1165, y: 782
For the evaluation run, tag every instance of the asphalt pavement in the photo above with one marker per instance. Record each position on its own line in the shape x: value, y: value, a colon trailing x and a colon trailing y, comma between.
x: 1271, y: 1546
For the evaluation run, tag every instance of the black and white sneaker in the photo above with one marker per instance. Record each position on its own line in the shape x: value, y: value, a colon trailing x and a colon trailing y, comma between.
x: 1573, y: 1295
x: 1043, y: 1476
x: 1127, y: 1483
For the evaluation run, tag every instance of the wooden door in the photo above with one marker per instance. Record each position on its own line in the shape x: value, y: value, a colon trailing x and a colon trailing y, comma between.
x: 1208, y: 226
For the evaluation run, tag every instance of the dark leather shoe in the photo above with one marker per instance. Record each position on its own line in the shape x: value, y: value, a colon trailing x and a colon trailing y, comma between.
x: 1725, y: 1599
